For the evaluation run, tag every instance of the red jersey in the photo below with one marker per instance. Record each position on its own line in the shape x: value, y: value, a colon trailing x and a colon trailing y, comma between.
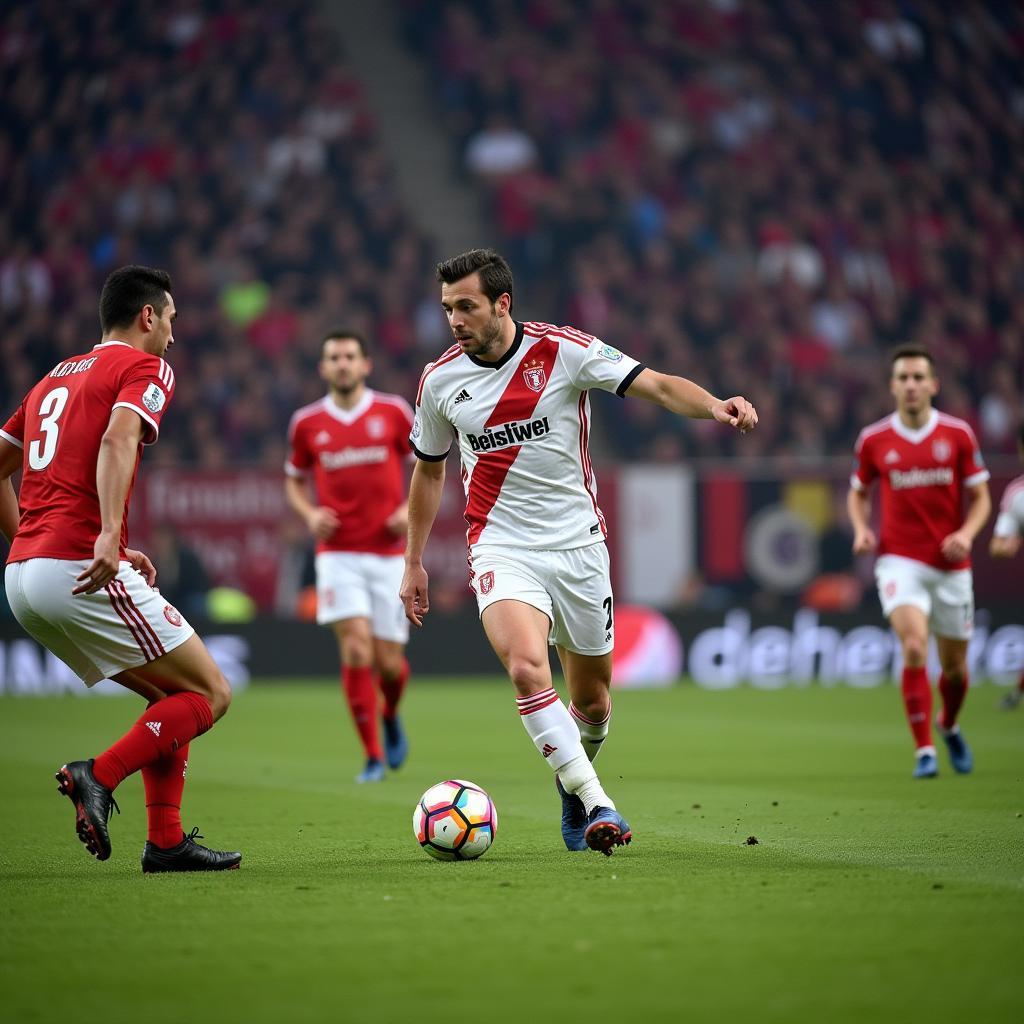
x: 356, y: 457
x: 59, y: 425
x: 923, y: 473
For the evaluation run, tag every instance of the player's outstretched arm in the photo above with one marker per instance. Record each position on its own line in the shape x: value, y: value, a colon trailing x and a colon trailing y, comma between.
x: 1004, y: 547
x: 425, y: 491
x: 10, y: 463
x: 115, y: 466
x: 858, y: 506
x: 683, y: 397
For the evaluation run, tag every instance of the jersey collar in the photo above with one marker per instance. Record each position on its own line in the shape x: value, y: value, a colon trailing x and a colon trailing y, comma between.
x: 104, y: 344
x: 348, y: 416
x: 915, y: 436
x: 512, y: 350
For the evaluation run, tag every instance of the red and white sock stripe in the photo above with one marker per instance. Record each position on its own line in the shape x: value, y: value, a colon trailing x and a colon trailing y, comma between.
x: 574, y: 711
x: 144, y: 634
x: 536, y: 701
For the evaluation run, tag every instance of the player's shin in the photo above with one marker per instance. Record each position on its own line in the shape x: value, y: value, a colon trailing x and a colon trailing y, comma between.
x: 953, y: 692
x: 555, y: 735
x: 164, y: 728
x: 917, y: 702
x: 593, y: 732
x: 392, y: 688
x: 164, y: 781
x: 357, y: 682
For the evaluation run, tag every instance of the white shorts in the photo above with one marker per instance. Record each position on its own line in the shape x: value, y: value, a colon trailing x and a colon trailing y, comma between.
x: 122, y: 626
x: 353, y: 584
x: 946, y: 598
x: 572, y: 588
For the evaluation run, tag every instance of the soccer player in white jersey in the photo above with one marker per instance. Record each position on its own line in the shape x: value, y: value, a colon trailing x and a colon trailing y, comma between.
x: 1006, y: 542
x: 515, y: 395
x: 929, y: 466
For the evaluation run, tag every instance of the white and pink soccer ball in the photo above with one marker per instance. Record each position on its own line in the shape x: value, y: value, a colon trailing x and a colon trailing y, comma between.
x: 455, y: 820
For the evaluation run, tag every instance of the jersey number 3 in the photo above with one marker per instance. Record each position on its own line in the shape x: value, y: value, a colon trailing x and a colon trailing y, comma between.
x: 42, y: 450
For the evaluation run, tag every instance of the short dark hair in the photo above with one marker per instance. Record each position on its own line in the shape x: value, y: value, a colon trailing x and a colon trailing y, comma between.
x: 127, y: 290
x: 495, y: 273
x: 912, y: 350
x: 337, y: 333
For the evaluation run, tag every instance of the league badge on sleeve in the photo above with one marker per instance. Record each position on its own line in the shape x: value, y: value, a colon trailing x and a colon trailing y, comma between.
x: 153, y: 398
x: 609, y: 352
x: 417, y: 427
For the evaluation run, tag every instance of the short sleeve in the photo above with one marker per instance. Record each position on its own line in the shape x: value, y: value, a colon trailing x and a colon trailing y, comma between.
x: 14, y: 429
x: 972, y: 466
x: 593, y: 364
x: 1010, y: 521
x: 431, y: 433
x: 300, y: 457
x: 146, y: 388
x: 864, y: 469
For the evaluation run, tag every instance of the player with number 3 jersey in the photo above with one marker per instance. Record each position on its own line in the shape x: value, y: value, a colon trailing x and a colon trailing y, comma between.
x: 75, y: 585
x: 516, y: 397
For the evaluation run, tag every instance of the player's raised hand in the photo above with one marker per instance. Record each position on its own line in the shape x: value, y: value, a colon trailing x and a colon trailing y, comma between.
x: 105, y: 563
x: 322, y: 522
x: 414, y: 593
x: 736, y: 412
x: 140, y: 563
x: 956, y: 547
x: 864, y: 541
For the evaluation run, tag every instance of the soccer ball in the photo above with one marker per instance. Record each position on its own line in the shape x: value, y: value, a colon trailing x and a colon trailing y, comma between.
x: 455, y: 820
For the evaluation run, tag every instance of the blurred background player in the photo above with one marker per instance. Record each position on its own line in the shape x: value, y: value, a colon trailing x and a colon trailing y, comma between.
x: 355, y: 443
x: 1006, y: 542
x: 926, y: 461
x: 516, y: 396
x: 75, y: 586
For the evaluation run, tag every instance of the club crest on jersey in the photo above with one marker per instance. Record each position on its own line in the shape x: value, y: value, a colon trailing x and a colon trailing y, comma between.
x: 942, y: 450
x: 153, y: 398
x: 535, y: 375
x: 375, y: 426
x: 172, y: 615
x: 487, y: 582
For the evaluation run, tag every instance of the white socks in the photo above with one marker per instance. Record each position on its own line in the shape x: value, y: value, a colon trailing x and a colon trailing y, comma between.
x: 592, y: 734
x: 556, y: 736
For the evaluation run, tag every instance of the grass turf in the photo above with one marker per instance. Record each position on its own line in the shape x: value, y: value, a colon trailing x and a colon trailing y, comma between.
x: 868, y: 896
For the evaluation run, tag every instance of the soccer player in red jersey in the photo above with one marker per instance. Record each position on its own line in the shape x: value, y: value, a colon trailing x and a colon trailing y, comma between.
x: 354, y: 443
x: 926, y: 461
x: 1006, y: 542
x: 75, y: 585
x: 516, y: 397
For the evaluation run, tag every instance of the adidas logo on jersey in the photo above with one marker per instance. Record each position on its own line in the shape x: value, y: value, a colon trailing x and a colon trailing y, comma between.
x: 154, y: 727
x: 463, y: 396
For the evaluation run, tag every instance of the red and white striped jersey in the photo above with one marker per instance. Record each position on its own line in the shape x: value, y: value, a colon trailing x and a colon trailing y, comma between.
x: 60, y: 425
x: 523, y: 425
x: 923, y: 474
x: 1010, y: 521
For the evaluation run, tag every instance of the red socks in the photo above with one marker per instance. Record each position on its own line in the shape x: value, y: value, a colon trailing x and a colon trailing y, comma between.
x: 917, y: 700
x: 164, y: 781
x: 164, y: 728
x: 392, y: 689
x: 362, y: 702
x: 953, y: 695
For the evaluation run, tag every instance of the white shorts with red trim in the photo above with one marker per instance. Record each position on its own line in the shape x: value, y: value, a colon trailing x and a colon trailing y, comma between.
x: 357, y: 584
x: 946, y: 598
x: 122, y: 626
x: 573, y: 588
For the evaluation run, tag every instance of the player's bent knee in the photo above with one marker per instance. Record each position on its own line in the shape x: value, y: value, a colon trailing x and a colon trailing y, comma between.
x: 595, y: 708
x: 220, y: 697
x: 527, y: 675
x: 915, y: 651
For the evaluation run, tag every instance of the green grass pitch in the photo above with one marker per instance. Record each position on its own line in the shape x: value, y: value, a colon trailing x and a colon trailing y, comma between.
x: 869, y: 897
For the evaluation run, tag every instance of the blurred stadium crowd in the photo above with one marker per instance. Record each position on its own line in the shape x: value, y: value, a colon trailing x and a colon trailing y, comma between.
x: 763, y: 196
